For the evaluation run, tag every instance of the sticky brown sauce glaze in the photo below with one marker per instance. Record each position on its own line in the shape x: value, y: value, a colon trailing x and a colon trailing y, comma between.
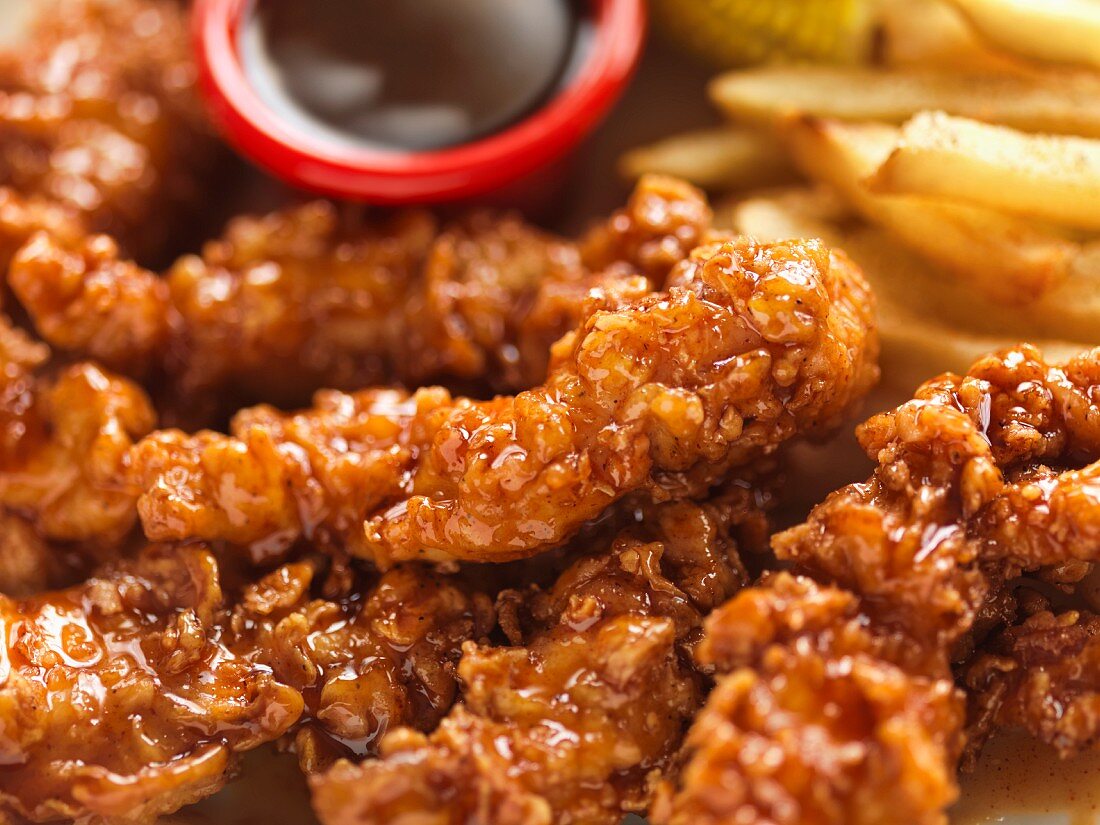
x: 411, y: 75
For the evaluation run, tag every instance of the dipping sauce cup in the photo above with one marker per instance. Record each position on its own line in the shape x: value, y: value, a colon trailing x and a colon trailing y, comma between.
x: 363, y: 170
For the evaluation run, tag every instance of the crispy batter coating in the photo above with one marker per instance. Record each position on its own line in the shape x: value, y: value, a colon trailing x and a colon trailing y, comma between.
x: 84, y: 299
x: 98, y: 114
x: 819, y: 720
x: 1043, y: 675
x: 664, y: 220
x: 321, y: 299
x: 964, y: 492
x: 21, y: 217
x: 661, y: 394
x: 20, y: 357
x: 576, y: 722
x: 64, y: 443
x: 383, y: 659
x: 963, y: 500
x: 118, y: 699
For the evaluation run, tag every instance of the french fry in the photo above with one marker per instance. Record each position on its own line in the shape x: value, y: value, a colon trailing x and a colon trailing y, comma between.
x: 930, y: 34
x: 1069, y: 312
x: 775, y: 215
x: 929, y: 320
x: 719, y: 159
x: 1007, y: 257
x: 1050, y: 102
x: 1061, y: 31
x: 916, y: 347
x: 1051, y: 178
x: 929, y: 325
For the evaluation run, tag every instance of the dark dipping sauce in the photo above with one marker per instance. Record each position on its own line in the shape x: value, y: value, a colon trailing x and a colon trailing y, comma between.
x: 411, y: 74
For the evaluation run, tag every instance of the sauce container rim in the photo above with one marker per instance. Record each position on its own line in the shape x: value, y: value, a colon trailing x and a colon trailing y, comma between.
x: 395, y: 177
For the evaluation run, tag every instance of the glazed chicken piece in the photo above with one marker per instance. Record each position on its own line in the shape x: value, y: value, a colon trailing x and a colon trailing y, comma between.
x: 125, y: 697
x: 381, y: 658
x: 576, y: 721
x: 822, y: 717
x: 321, y: 299
x: 330, y: 302
x: 856, y: 710
x: 664, y: 220
x: 1041, y: 674
x: 98, y: 114
x: 660, y: 395
x: 22, y: 217
x: 119, y: 701
x: 64, y: 443
x: 88, y: 303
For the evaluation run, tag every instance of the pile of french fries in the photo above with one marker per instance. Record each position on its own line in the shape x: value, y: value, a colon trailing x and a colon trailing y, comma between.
x: 961, y: 170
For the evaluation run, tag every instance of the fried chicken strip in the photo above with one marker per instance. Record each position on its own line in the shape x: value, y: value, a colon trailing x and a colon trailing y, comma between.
x: 125, y: 697
x: 1041, y: 674
x: 821, y: 718
x: 382, y: 658
x: 856, y: 712
x: 23, y: 217
x: 64, y: 443
x: 577, y: 720
x: 322, y: 299
x: 98, y: 115
x: 118, y: 699
x: 660, y: 394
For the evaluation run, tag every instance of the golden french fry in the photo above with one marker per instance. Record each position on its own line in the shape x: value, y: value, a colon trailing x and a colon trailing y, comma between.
x: 1051, y: 102
x: 798, y: 212
x: 719, y: 159
x: 924, y: 329
x: 930, y: 321
x: 1062, y: 31
x: 1008, y: 257
x: 916, y: 348
x: 1069, y: 312
x: 1050, y: 178
x: 930, y: 34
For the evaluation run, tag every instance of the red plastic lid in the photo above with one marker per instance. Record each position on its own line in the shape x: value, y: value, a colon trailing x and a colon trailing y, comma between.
x: 395, y: 177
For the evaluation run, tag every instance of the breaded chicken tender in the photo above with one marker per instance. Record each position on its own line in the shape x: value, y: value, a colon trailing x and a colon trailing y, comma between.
x: 319, y: 298
x: 85, y: 301
x: 382, y: 658
x: 661, y: 395
x: 820, y: 718
x: 23, y: 217
x: 576, y: 721
x: 119, y: 700
x: 125, y: 697
x: 855, y: 718
x: 1041, y: 674
x: 99, y: 116
x: 64, y: 443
